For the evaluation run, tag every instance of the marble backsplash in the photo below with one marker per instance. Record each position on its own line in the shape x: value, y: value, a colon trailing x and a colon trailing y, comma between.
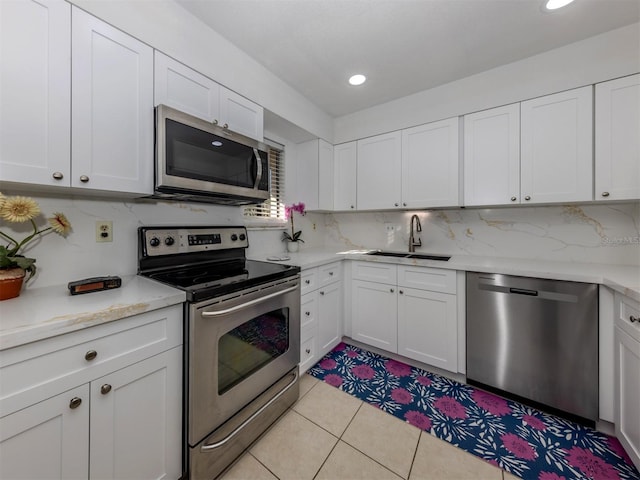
x: 579, y: 233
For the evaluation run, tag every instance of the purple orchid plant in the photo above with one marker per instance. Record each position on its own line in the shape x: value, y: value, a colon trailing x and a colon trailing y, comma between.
x: 288, y: 214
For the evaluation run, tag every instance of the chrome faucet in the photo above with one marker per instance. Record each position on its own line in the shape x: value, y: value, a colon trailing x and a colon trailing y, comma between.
x: 412, y: 242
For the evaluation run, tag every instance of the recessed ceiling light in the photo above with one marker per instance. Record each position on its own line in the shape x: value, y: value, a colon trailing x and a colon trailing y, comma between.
x: 357, y: 79
x: 555, y: 4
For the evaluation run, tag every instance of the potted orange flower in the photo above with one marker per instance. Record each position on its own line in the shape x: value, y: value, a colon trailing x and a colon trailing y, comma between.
x: 13, y: 265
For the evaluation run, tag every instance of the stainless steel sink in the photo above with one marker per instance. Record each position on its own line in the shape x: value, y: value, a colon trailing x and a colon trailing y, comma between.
x: 421, y: 256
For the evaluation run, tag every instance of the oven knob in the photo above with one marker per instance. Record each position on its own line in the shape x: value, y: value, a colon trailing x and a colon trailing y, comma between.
x: 243, y: 237
x: 234, y: 237
x: 154, y: 242
x: 169, y: 241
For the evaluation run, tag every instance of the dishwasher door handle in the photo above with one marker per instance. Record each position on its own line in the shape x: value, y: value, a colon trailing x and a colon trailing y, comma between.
x: 523, y: 291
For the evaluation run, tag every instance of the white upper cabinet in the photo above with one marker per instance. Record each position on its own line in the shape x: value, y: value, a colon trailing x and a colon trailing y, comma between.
x: 379, y: 172
x: 241, y: 115
x: 556, y: 157
x: 314, y: 167
x: 184, y: 89
x: 345, y: 160
x: 112, y: 108
x: 492, y: 156
x: 430, y: 156
x: 35, y: 91
x: 617, y: 115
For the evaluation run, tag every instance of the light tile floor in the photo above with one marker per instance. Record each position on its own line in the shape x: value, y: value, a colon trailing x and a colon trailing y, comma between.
x: 330, y: 435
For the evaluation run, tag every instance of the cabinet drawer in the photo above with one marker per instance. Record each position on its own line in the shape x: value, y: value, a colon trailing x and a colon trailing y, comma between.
x: 36, y: 371
x: 329, y: 273
x: 426, y: 278
x: 374, y: 272
x: 308, y: 280
x: 307, y: 354
x: 308, y: 310
x: 628, y: 315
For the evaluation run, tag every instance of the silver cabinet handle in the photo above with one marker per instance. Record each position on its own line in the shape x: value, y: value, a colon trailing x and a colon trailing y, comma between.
x: 90, y: 355
x: 527, y: 198
x: 226, y: 311
x: 513, y: 199
x: 58, y: 175
x: 633, y: 319
x: 605, y: 194
x: 84, y: 178
x: 75, y: 402
x: 104, y: 389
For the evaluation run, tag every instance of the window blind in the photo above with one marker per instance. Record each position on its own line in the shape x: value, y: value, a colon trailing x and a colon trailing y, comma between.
x: 274, y: 206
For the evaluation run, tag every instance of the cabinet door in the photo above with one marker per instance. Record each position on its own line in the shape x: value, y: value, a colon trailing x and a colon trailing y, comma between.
x: 241, y: 115
x: 379, y: 172
x: 427, y: 327
x: 557, y: 147
x: 48, y: 440
x: 329, y: 317
x: 627, y: 413
x: 617, y: 139
x: 184, y: 89
x: 492, y: 156
x: 307, y: 165
x: 325, y: 175
x: 374, y: 314
x: 35, y: 91
x: 344, y: 179
x: 430, y: 156
x: 136, y: 420
x: 112, y: 108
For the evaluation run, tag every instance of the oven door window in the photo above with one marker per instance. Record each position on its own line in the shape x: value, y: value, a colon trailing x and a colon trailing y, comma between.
x: 250, y: 346
x: 199, y: 155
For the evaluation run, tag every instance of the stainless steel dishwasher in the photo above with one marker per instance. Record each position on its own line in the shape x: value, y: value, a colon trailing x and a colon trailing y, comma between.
x: 536, y: 339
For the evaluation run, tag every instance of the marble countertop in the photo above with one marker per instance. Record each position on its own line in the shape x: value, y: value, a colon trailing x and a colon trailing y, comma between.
x: 44, y: 312
x: 621, y: 278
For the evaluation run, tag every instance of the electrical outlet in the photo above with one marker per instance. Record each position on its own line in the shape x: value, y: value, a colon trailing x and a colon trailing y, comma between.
x: 104, y: 231
x: 389, y: 227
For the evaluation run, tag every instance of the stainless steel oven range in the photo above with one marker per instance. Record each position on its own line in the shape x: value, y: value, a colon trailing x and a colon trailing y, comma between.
x: 242, y: 338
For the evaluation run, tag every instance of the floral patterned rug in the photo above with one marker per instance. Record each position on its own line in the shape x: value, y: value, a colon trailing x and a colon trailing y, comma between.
x: 522, y: 440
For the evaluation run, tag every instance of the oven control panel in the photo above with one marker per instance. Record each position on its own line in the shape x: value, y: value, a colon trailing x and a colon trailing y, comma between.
x: 169, y: 241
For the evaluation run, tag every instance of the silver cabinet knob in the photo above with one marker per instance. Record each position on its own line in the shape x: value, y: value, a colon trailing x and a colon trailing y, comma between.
x: 633, y: 319
x: 104, y: 389
x: 308, y: 350
x: 513, y: 199
x: 90, y: 355
x: 331, y: 274
x: 58, y: 175
x: 84, y: 178
x: 75, y: 402
x: 527, y: 198
x: 321, y: 293
x: 352, y: 206
x: 401, y: 292
x: 391, y: 290
x: 307, y: 314
x: 404, y: 204
x: 215, y: 121
x: 396, y: 204
x: 226, y: 125
x: 605, y: 194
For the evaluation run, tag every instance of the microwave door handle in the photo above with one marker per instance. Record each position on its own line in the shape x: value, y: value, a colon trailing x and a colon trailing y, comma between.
x: 258, y: 168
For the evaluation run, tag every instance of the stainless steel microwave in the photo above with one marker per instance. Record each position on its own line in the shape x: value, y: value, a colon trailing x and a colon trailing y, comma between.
x: 197, y: 160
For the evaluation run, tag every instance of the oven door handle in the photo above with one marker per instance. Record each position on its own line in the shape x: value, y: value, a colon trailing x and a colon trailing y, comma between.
x: 213, y: 446
x: 227, y: 311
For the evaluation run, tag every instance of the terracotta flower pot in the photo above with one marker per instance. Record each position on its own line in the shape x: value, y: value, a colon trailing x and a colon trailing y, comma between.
x: 11, y: 280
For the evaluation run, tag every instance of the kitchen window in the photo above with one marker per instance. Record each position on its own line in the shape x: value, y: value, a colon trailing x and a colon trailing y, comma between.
x: 273, y: 208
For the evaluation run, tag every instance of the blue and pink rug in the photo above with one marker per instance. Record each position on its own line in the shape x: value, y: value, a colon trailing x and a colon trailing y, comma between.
x: 522, y: 440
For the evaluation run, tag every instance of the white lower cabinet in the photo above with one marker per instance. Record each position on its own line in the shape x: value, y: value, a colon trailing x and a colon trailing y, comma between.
x: 121, y: 419
x: 627, y: 376
x: 320, y: 312
x: 411, y: 311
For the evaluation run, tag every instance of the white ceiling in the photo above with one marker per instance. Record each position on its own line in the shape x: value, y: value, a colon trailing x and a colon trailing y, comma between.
x: 402, y: 46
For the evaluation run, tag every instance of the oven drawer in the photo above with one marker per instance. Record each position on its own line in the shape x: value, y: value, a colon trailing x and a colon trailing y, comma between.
x: 308, y: 280
x: 329, y: 273
x: 33, y: 372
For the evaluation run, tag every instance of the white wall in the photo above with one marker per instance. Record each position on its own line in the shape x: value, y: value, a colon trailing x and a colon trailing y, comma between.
x: 577, y: 233
x: 168, y: 27
x: 603, y: 57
